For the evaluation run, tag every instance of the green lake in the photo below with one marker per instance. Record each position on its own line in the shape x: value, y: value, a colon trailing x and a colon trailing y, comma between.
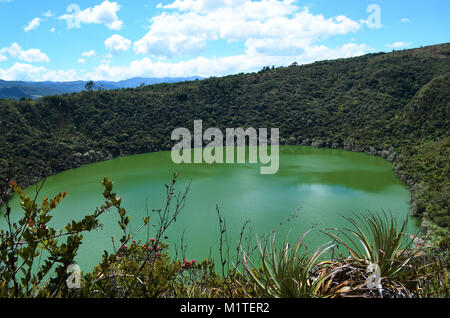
x: 319, y: 185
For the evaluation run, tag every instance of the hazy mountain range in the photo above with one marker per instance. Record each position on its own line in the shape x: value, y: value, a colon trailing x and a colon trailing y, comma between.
x: 22, y: 89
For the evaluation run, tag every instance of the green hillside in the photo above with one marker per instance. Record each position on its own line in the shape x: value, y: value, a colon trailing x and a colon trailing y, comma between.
x: 393, y: 105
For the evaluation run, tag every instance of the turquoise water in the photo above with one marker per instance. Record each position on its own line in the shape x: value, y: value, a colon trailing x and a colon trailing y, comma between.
x: 319, y: 185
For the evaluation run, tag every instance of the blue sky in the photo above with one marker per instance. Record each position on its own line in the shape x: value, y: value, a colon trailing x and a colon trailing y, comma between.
x: 114, y: 40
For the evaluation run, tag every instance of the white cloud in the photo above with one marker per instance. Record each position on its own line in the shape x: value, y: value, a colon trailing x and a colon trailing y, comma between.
x: 31, y: 55
x: 28, y: 72
x: 201, y: 66
x: 398, y: 44
x: 36, y: 22
x: 117, y: 43
x: 33, y: 24
x: 273, y: 32
x: 221, y: 65
x: 60, y: 76
x: 186, y: 26
x: 88, y: 53
x: 265, y: 7
x: 405, y: 20
x: 22, y: 72
x: 322, y: 52
x: 104, y: 13
x: 53, y: 30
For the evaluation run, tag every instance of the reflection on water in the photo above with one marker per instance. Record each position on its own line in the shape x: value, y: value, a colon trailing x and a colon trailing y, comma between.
x: 320, y: 184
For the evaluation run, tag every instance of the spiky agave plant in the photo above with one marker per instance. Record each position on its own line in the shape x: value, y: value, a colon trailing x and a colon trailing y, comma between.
x: 381, y: 241
x: 286, y: 273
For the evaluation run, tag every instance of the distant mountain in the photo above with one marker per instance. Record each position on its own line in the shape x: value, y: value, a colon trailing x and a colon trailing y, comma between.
x: 21, y: 89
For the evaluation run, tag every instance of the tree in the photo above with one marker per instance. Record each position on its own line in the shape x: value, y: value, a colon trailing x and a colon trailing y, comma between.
x: 89, y: 85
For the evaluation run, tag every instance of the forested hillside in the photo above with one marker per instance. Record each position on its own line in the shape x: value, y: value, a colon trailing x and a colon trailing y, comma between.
x: 394, y: 105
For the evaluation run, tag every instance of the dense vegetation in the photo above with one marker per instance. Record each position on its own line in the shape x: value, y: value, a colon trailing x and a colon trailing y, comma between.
x: 393, y: 105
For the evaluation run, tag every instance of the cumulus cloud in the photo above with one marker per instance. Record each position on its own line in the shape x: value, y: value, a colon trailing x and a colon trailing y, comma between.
x: 22, y: 72
x: 36, y: 22
x: 201, y: 66
x: 217, y: 66
x: 272, y: 32
x: 61, y: 76
x: 104, y: 13
x: 31, y: 55
x: 33, y: 24
x: 28, y: 72
x: 187, y: 25
x: 259, y: 8
x: 399, y: 44
x: 117, y: 43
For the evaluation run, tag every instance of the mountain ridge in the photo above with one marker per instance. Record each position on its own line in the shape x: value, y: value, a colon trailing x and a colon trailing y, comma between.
x: 34, y: 90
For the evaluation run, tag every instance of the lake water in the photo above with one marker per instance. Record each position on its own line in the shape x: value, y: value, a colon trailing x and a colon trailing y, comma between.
x: 319, y: 185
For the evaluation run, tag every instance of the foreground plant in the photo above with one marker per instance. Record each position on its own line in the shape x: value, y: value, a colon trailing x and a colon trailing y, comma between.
x: 378, y: 240
x: 427, y: 274
x: 287, y: 273
x: 34, y: 259
x: 136, y: 269
x: 34, y: 256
